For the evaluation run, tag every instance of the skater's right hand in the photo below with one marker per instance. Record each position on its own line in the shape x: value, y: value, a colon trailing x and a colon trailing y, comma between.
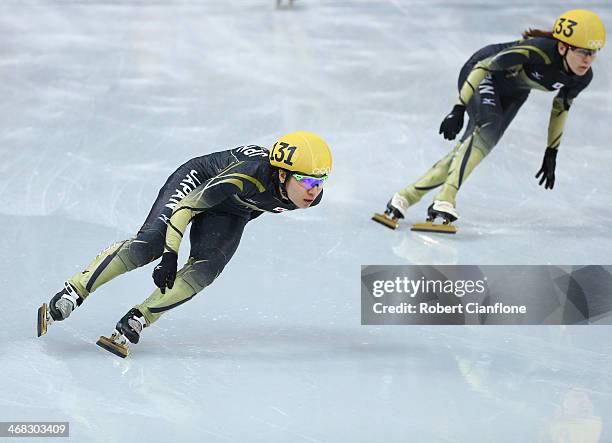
x: 547, y: 171
x: 165, y: 272
x: 453, y: 122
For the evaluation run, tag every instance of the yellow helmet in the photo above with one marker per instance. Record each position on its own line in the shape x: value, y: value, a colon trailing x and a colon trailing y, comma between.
x: 303, y: 152
x: 580, y: 28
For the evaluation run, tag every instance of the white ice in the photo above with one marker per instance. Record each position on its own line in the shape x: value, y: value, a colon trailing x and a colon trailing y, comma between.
x: 101, y: 100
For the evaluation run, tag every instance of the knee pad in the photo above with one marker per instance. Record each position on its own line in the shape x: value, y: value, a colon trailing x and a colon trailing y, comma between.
x: 488, y: 135
x: 141, y: 250
x: 201, y: 273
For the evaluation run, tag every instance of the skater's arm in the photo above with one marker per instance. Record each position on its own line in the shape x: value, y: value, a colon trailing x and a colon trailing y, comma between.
x: 198, y: 200
x: 560, y: 109
x: 558, y: 116
x: 476, y: 76
x: 232, y: 181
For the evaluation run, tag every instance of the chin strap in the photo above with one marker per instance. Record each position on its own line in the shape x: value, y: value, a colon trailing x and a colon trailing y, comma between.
x: 566, y: 65
x: 283, y: 190
x: 281, y: 186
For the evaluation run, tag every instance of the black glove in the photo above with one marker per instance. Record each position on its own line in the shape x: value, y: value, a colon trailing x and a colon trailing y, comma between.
x: 453, y: 122
x: 165, y: 272
x: 547, y: 171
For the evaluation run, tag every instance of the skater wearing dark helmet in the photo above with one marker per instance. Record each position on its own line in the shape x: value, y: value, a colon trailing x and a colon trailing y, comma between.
x: 218, y: 194
x: 493, y: 85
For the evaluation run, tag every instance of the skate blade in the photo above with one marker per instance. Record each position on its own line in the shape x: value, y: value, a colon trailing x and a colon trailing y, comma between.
x: 446, y: 228
x: 42, y: 320
x: 120, y: 350
x: 386, y: 221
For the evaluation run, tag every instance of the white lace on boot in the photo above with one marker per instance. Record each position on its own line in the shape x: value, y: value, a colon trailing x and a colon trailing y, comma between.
x: 68, y: 301
x: 137, y: 323
x: 446, y: 207
x: 400, y: 203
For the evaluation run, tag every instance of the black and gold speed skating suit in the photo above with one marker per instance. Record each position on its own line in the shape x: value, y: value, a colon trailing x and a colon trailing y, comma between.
x: 218, y: 194
x: 494, y: 83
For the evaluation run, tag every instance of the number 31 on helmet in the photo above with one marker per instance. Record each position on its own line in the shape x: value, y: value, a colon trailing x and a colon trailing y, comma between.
x: 302, y: 152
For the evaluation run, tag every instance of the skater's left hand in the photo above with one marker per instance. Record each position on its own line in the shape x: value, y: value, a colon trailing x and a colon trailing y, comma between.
x: 547, y: 171
x: 452, y: 123
x: 165, y: 272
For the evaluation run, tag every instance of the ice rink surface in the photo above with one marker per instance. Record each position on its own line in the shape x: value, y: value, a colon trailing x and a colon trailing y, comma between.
x: 101, y: 100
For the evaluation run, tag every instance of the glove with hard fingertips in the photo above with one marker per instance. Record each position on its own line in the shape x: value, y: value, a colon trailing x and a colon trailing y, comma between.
x: 546, y: 174
x: 452, y: 123
x: 164, y: 273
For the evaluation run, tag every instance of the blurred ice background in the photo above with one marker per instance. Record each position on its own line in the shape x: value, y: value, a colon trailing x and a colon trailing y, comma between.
x: 101, y: 100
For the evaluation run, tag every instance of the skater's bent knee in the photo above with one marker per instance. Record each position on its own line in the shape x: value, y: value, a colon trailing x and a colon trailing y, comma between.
x: 141, y: 251
x: 202, y: 273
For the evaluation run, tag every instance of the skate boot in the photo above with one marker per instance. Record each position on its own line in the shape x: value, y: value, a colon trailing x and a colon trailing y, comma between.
x: 442, y: 209
x: 59, y: 308
x: 128, y: 329
x: 396, y: 209
x: 439, y: 209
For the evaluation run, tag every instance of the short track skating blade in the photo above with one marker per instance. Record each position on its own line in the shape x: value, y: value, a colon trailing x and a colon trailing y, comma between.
x: 434, y: 227
x: 42, y: 320
x: 120, y: 350
x: 386, y: 221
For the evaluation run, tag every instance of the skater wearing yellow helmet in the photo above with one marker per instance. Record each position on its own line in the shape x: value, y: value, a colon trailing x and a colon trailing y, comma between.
x: 493, y: 85
x: 218, y: 194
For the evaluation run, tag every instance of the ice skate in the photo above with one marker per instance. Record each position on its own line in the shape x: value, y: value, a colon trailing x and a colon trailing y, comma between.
x: 128, y: 329
x: 396, y: 209
x: 439, y: 209
x: 116, y: 343
x: 59, y: 308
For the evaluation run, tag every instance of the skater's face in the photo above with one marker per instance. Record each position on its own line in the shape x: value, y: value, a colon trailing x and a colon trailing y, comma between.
x: 578, y: 59
x: 298, y: 194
